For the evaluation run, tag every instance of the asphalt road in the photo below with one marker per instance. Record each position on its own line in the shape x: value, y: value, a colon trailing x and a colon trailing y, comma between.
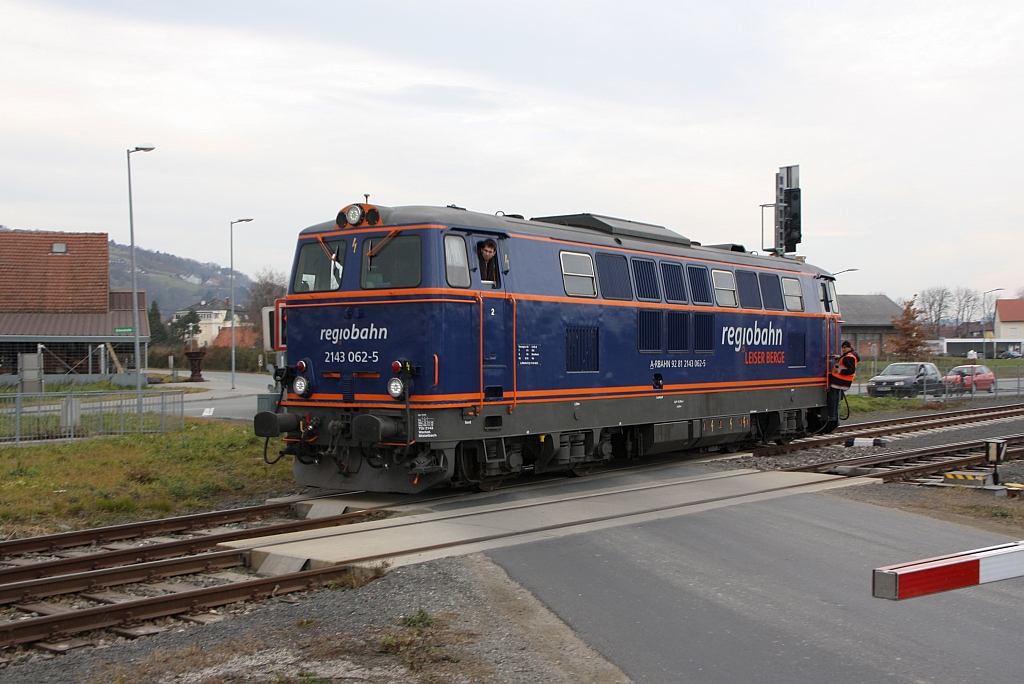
x: 775, y: 591
x: 237, y: 404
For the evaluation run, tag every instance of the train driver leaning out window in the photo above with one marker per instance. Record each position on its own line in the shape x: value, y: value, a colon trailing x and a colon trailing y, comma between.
x: 487, y: 251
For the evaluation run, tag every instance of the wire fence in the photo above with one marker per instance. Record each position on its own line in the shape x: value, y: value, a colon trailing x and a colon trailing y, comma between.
x: 33, y: 417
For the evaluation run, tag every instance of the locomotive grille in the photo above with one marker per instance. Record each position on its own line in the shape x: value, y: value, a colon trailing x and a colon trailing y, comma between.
x: 700, y: 285
x: 581, y: 349
x: 678, y: 331
x: 648, y: 330
x: 704, y: 332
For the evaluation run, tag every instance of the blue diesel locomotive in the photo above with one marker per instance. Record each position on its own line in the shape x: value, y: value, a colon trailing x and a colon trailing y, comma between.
x: 415, y: 361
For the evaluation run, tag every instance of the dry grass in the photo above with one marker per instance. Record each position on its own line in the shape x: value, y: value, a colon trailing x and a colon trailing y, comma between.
x: 207, y: 465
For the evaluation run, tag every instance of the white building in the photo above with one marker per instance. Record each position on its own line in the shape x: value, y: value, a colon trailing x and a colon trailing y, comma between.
x: 214, y: 316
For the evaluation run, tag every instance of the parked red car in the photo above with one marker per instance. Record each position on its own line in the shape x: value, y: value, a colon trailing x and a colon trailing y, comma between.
x: 965, y: 376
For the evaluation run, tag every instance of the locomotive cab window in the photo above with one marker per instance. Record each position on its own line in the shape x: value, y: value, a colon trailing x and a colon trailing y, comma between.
x: 456, y: 261
x: 488, y: 261
x: 828, y: 296
x: 391, y: 262
x: 320, y: 266
x: 578, y: 274
x: 725, y: 287
x: 794, y: 294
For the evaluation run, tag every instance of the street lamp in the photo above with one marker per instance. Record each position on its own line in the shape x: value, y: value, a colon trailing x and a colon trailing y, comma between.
x: 135, y: 287
x: 231, y: 230
x: 983, y: 312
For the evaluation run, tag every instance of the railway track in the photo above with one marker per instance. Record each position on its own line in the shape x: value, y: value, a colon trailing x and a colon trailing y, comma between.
x: 50, y: 609
x: 893, y: 426
x: 912, y: 463
x: 57, y: 586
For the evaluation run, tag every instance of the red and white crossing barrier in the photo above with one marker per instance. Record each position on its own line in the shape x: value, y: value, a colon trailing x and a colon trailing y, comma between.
x: 957, y: 570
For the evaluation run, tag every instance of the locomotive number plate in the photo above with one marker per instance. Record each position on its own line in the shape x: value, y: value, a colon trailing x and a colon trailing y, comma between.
x: 350, y: 356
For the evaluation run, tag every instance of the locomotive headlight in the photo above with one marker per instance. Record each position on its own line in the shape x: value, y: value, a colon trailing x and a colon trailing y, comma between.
x: 301, y: 386
x: 871, y: 383
x: 396, y: 388
x: 354, y: 214
x: 899, y: 383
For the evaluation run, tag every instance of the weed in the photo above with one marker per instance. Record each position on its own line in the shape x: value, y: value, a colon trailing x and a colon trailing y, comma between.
x: 306, y: 622
x: 420, y: 620
x: 141, y: 476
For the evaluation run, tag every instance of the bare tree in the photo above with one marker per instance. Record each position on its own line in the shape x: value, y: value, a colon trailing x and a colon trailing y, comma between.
x: 267, y: 286
x: 965, y: 305
x: 934, y: 304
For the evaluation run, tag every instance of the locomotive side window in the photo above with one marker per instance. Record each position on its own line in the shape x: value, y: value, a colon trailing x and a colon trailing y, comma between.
x: 613, y: 273
x: 750, y: 294
x: 675, y: 286
x: 725, y: 287
x: 794, y: 294
x: 456, y: 261
x: 645, y: 273
x: 772, y: 291
x: 703, y: 332
x: 391, y: 263
x: 578, y: 274
x: 319, y: 269
x: 700, y: 284
x: 648, y: 330
x: 678, y: 331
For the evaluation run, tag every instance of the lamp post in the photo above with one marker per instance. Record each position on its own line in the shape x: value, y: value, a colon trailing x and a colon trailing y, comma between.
x: 231, y: 230
x: 135, y: 287
x: 984, y: 311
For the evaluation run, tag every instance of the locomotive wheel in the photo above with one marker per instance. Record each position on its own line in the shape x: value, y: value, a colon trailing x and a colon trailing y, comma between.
x: 783, y: 441
x: 489, y: 485
x: 581, y: 471
x: 730, y: 448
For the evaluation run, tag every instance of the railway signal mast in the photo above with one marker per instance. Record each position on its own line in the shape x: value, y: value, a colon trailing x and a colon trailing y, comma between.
x: 787, y: 211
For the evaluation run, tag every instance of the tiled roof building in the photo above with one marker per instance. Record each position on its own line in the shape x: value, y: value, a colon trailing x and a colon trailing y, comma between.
x: 56, y: 293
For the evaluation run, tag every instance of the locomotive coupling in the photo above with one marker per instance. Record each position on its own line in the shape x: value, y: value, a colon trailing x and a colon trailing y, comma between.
x: 267, y: 424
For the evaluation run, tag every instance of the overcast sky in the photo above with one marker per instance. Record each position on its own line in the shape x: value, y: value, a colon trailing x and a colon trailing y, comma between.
x: 905, y: 119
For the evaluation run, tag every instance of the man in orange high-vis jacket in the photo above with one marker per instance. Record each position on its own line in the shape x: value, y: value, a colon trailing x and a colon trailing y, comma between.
x: 841, y: 378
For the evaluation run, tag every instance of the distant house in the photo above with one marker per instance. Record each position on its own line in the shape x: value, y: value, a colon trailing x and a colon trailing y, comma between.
x: 867, y: 322
x: 1009, y: 323
x: 194, y: 279
x: 246, y: 337
x: 214, y: 316
x: 56, y: 293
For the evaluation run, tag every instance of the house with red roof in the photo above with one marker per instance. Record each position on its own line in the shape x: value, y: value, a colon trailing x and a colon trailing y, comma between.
x: 1009, y: 322
x: 56, y: 301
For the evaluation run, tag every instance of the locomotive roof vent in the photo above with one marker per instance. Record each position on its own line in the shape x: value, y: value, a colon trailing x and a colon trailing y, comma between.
x: 616, y: 226
x: 729, y: 247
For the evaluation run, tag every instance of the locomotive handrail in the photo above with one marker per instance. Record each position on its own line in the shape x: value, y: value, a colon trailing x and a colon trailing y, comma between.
x: 515, y: 359
x: 480, y: 301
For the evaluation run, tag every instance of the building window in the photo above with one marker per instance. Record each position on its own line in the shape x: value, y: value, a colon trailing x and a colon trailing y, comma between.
x: 59, y: 248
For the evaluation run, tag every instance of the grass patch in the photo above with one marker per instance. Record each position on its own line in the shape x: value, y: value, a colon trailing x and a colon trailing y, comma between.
x: 207, y: 465
x: 863, y: 404
x: 108, y: 386
x: 416, y: 642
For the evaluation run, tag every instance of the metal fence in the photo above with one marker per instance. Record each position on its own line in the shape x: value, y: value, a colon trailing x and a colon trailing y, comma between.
x: 31, y: 417
x: 1012, y: 385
